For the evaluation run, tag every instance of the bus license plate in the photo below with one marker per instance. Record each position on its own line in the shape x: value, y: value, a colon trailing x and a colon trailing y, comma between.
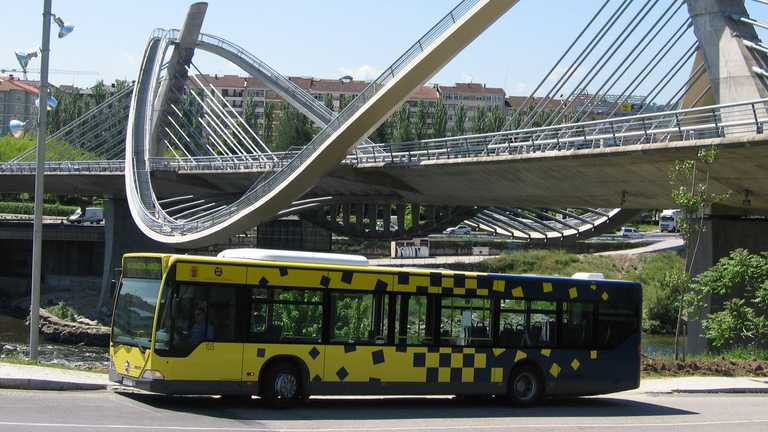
x: 128, y: 382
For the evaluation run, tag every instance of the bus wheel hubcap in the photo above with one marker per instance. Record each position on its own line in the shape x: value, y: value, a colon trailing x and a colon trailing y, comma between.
x: 285, y: 386
x: 524, y: 387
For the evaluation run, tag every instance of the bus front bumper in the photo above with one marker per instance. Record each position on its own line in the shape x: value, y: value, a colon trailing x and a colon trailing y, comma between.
x: 184, y: 387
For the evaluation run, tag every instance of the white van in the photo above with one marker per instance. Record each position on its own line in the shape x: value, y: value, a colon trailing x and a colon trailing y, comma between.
x: 630, y: 232
x: 92, y: 215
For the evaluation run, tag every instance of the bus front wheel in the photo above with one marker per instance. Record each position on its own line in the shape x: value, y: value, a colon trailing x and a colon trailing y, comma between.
x: 282, y: 385
x: 525, y: 386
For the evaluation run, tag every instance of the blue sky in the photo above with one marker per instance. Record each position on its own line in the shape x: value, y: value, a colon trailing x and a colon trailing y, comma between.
x: 325, y: 39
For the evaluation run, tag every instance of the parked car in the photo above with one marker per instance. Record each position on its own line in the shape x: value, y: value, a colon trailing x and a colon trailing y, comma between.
x: 92, y: 215
x: 458, y: 230
x: 630, y: 232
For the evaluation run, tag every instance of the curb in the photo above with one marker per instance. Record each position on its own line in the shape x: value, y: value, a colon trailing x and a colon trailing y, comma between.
x: 734, y: 390
x: 38, y: 384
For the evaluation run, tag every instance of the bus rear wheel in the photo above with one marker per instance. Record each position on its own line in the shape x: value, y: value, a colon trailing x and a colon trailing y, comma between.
x: 282, y: 386
x: 525, y: 386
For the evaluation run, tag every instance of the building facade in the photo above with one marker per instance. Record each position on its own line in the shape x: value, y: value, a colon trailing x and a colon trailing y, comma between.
x: 17, y: 101
x: 473, y: 97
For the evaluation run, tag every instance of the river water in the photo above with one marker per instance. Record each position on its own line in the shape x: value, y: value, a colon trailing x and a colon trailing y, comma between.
x: 14, y: 337
x: 14, y: 344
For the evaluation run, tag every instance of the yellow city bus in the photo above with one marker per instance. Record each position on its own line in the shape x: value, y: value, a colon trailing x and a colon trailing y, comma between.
x: 285, y: 325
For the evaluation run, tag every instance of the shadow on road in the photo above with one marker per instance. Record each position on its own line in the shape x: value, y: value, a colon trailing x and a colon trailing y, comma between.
x: 404, y: 408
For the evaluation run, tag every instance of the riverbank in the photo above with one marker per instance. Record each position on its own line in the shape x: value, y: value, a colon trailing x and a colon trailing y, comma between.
x: 724, y: 367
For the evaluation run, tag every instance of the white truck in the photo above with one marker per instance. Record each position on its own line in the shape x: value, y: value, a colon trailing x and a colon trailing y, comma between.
x: 669, y: 220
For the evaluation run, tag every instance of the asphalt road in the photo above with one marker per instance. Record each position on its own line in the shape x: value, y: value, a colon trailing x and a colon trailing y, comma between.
x: 106, y: 411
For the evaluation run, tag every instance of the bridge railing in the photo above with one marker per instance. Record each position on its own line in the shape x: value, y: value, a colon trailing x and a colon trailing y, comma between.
x: 726, y: 120
x: 737, y: 119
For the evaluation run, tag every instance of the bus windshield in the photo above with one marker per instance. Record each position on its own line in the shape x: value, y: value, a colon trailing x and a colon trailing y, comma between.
x: 136, y: 301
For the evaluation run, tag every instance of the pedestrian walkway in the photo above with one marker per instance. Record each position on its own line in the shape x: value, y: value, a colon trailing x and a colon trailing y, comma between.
x: 667, y: 245
x: 703, y: 385
x: 29, y: 377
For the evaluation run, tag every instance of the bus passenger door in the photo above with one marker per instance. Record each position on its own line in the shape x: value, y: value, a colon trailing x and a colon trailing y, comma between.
x: 284, y: 320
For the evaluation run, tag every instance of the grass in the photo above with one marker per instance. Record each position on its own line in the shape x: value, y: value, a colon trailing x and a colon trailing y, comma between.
x: 10, y: 147
x: 646, y: 227
x: 739, y: 354
x: 548, y: 262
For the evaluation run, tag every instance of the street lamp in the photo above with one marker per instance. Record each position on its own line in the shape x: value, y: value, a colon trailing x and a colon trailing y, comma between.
x: 64, y: 28
x: 17, y: 128
x: 23, y: 58
x: 44, y: 103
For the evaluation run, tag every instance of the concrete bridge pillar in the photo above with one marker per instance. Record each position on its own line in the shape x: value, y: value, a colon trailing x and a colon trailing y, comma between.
x: 721, y: 235
x: 727, y: 60
x: 121, y: 236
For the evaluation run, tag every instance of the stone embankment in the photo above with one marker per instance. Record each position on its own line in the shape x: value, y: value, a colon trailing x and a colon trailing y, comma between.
x: 84, y: 332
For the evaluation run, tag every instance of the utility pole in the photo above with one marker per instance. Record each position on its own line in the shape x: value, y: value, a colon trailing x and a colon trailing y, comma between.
x: 37, y: 234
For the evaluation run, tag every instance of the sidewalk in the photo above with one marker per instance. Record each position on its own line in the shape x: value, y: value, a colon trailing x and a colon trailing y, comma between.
x: 703, y: 385
x: 26, y: 377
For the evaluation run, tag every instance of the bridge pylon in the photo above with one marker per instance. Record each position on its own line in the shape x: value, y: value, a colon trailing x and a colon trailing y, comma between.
x: 730, y: 62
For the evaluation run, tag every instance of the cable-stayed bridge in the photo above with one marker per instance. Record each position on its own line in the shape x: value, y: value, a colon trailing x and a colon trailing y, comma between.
x: 195, y: 171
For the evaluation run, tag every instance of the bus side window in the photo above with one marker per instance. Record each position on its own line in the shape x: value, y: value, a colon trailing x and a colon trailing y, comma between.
x: 465, y: 321
x: 512, y: 324
x: 415, y: 319
x: 577, y: 325
x: 615, y: 325
x: 352, y: 317
x: 542, y: 326
x: 285, y: 315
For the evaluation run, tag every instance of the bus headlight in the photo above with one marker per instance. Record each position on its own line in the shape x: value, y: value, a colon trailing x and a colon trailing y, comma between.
x: 152, y: 375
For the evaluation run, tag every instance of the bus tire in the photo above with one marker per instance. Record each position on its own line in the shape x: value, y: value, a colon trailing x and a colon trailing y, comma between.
x: 525, y: 387
x: 282, y: 385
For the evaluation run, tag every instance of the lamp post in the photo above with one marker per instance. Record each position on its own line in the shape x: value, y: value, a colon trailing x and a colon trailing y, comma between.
x: 42, y: 128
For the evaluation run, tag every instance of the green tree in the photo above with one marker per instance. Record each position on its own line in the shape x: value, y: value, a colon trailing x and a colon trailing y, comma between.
x: 268, y: 124
x: 440, y: 120
x: 459, y: 121
x: 343, y: 102
x: 692, y: 195
x: 251, y: 114
x: 328, y: 101
x: 294, y: 129
x: 99, y: 93
x: 421, y: 126
x: 401, y: 128
x: 383, y: 133
x: 497, y: 120
x: 481, y: 121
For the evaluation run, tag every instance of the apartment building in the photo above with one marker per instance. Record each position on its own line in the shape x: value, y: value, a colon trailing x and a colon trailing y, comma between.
x: 17, y: 101
x: 472, y: 96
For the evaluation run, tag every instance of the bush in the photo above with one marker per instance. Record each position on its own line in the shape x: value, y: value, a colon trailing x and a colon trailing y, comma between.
x: 63, y: 312
x: 663, y: 304
x: 24, y: 208
x: 740, y: 282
